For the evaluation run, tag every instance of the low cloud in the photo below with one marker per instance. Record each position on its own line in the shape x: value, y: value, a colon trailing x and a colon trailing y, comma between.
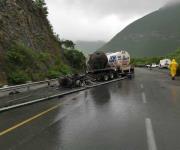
x: 97, y: 19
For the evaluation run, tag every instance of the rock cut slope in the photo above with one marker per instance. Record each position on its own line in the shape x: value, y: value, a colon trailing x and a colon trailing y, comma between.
x: 21, y: 21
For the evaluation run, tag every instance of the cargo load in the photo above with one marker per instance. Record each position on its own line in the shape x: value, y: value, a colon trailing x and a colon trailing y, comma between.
x: 105, y: 66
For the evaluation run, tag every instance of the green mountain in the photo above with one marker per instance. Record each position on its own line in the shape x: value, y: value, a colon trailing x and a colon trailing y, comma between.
x: 88, y: 47
x: 29, y: 49
x: 156, y: 34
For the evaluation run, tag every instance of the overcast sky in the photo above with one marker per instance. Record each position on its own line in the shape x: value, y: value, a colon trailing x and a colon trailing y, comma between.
x: 96, y: 19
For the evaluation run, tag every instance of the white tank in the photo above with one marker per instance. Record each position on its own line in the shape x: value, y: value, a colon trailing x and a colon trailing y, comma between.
x: 118, y: 59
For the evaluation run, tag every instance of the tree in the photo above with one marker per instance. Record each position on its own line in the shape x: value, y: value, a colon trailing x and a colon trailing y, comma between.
x: 42, y: 5
x: 76, y: 59
x: 68, y: 44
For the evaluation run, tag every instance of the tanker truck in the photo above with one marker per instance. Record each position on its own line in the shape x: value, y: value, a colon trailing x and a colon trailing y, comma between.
x: 106, y: 66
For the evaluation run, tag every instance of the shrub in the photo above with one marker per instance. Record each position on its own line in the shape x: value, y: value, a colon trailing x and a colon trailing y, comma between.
x: 65, y: 70
x: 18, y: 77
x: 68, y: 44
x: 23, y: 63
x: 42, y: 5
x: 52, y: 74
x: 145, y: 61
x: 26, y: 60
x: 44, y: 58
x: 38, y: 76
x: 21, y: 56
x: 76, y: 59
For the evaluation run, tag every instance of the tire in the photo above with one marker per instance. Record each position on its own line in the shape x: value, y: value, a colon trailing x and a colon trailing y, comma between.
x: 82, y: 84
x: 111, y: 76
x: 98, y: 78
x: 106, y: 77
x: 130, y: 76
x: 78, y: 83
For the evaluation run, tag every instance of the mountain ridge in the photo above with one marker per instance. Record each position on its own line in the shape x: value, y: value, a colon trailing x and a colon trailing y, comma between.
x: 155, y: 34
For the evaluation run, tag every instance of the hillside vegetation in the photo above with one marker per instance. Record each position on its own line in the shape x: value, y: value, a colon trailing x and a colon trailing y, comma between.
x: 156, y: 34
x: 150, y: 60
x: 29, y: 49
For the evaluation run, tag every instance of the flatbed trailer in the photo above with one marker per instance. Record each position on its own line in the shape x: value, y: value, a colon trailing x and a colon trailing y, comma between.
x: 110, y: 73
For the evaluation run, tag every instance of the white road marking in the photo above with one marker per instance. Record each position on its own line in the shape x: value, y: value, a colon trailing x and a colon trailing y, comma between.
x: 144, y: 98
x: 142, y: 86
x: 150, y: 135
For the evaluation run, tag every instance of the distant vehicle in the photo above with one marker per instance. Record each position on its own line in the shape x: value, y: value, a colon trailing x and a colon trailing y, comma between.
x: 164, y: 63
x: 148, y: 66
x: 154, y: 65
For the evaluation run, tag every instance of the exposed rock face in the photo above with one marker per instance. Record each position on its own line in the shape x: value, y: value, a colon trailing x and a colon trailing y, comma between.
x: 22, y: 21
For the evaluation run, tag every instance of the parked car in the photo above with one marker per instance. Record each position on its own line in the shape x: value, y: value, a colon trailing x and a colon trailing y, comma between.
x: 154, y: 65
x: 148, y: 66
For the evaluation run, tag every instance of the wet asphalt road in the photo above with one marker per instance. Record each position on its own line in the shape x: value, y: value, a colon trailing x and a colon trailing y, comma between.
x: 138, y: 114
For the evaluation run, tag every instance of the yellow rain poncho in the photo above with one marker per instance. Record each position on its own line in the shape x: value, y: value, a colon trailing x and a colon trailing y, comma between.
x: 173, y: 68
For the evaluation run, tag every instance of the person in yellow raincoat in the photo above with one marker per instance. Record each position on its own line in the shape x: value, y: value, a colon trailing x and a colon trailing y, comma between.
x: 173, y: 68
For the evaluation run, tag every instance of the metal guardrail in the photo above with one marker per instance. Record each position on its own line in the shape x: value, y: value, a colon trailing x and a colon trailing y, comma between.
x: 26, y: 87
x: 5, y: 108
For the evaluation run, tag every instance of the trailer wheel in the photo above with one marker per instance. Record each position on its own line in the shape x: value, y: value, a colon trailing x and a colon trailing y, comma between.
x: 98, y: 78
x: 111, y: 76
x: 82, y: 84
x: 116, y: 75
x: 106, y: 77
x: 77, y: 83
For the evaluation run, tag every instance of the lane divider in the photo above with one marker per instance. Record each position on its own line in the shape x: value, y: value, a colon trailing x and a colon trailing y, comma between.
x: 142, y: 86
x: 144, y: 97
x: 150, y: 135
x: 29, y: 120
x: 57, y: 95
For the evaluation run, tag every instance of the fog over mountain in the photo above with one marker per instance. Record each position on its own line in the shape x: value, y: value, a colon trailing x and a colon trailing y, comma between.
x: 98, y: 19
x: 156, y: 34
x: 88, y: 47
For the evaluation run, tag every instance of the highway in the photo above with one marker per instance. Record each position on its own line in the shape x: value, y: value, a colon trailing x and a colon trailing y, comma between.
x: 138, y: 114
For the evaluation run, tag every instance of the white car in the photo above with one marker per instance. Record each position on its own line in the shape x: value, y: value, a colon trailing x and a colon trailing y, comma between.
x: 154, y: 65
x: 148, y: 66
